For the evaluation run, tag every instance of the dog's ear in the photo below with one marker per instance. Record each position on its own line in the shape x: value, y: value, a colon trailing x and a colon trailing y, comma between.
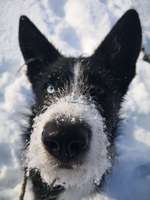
x: 36, y: 49
x: 120, y: 49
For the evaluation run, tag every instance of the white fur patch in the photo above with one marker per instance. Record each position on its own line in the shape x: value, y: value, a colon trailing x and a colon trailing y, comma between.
x: 77, y: 75
x: 29, y: 194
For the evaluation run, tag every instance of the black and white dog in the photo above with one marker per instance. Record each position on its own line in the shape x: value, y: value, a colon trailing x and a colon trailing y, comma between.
x: 68, y: 145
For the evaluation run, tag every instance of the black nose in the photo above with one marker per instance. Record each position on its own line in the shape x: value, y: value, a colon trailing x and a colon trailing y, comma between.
x: 66, y: 141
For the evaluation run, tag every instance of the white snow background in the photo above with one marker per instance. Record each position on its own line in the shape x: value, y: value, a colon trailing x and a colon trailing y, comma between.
x: 75, y: 27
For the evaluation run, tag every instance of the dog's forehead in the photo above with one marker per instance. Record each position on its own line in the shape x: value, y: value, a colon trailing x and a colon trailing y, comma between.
x: 65, y: 65
x: 65, y: 69
x: 68, y: 73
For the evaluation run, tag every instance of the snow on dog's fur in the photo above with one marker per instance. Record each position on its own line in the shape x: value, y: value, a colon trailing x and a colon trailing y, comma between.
x: 80, y: 90
x: 96, y: 162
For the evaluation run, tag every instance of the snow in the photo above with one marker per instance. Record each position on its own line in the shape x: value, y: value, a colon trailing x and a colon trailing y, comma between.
x: 75, y: 27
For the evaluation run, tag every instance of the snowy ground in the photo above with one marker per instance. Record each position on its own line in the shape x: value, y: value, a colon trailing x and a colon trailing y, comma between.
x: 75, y: 27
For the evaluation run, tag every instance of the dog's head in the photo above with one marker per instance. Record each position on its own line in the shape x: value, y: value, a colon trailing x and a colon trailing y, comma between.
x: 77, y: 101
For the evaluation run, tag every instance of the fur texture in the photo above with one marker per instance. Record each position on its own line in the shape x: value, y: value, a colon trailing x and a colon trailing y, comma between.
x: 81, y: 89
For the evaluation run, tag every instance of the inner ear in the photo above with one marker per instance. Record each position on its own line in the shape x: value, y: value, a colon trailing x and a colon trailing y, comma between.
x: 120, y: 49
x: 36, y: 49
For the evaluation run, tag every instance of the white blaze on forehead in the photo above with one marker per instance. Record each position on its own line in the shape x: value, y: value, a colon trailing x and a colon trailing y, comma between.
x: 77, y: 74
x: 95, y: 163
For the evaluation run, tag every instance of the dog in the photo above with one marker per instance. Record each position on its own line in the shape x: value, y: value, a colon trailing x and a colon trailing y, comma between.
x: 69, y: 144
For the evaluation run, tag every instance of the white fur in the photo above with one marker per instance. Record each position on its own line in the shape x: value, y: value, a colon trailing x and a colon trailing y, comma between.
x: 77, y: 75
x: 28, y: 192
x: 80, y: 180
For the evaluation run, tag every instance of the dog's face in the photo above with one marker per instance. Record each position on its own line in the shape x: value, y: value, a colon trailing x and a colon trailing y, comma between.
x: 77, y: 101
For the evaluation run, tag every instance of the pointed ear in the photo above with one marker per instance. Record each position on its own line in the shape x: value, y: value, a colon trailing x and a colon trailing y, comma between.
x: 120, y: 49
x: 36, y: 49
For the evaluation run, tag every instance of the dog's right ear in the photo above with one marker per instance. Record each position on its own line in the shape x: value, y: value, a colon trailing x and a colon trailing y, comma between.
x: 120, y: 49
x: 36, y: 49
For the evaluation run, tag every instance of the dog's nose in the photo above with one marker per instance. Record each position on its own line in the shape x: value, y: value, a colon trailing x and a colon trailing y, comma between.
x: 66, y: 141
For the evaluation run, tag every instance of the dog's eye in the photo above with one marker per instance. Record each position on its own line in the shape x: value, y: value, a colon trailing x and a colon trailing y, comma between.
x: 50, y: 89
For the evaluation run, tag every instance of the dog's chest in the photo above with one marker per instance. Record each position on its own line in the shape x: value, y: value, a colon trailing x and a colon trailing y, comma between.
x: 69, y: 195
x: 73, y: 195
x: 76, y: 193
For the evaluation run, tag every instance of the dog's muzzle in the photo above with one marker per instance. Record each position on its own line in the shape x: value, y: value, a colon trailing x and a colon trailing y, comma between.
x: 66, y: 139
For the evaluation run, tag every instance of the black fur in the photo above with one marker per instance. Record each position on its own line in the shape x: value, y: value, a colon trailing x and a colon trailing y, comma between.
x: 107, y: 73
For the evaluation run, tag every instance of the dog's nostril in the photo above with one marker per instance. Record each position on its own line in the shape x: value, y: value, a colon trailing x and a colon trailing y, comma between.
x: 53, y: 146
x: 76, y: 147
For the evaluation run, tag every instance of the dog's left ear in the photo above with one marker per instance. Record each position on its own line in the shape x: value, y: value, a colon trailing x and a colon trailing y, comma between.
x: 120, y: 49
x: 36, y: 49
